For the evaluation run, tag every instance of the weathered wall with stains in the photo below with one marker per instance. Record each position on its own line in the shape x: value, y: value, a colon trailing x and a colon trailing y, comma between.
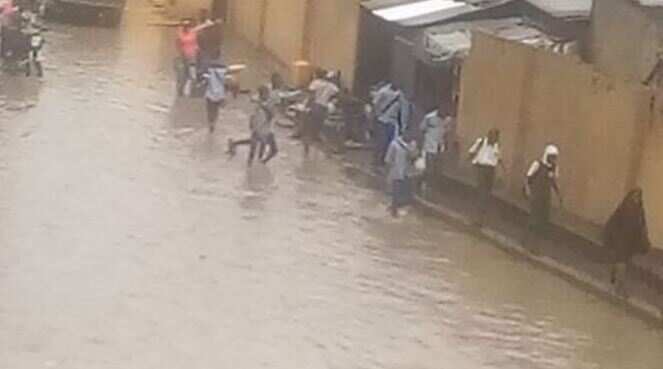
x: 324, y: 32
x: 332, y: 35
x: 651, y: 172
x: 624, y: 39
x: 284, y: 29
x: 245, y: 18
x: 536, y: 97
x: 187, y: 8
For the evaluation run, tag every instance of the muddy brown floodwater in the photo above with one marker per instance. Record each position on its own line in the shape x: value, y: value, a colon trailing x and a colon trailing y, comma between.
x: 129, y: 240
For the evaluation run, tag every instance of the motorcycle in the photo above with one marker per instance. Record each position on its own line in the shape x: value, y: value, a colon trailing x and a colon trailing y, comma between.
x: 15, y: 50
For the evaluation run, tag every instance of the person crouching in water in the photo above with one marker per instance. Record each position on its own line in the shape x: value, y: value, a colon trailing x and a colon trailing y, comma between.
x: 541, y: 182
x: 401, y: 153
x: 262, y: 135
x: 626, y: 235
x: 215, y: 93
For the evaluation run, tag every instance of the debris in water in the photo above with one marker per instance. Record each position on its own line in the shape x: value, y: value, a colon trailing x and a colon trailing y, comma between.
x: 159, y: 108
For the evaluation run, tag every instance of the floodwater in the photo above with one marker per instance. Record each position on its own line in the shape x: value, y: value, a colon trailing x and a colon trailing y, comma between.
x: 129, y: 240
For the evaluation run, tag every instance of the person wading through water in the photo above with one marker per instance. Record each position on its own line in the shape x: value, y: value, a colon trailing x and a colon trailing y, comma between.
x: 262, y: 135
x: 215, y: 93
x: 322, y: 92
x: 541, y: 182
x: 431, y: 131
x: 387, y: 111
x: 486, y: 156
x: 187, y: 47
x: 400, y: 155
x: 626, y: 235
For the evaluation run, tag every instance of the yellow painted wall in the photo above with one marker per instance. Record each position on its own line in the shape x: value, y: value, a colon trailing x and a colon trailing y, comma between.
x: 536, y: 97
x: 186, y: 8
x: 245, y: 18
x: 624, y: 39
x: 651, y: 173
x: 332, y: 35
x: 323, y: 32
x: 284, y: 29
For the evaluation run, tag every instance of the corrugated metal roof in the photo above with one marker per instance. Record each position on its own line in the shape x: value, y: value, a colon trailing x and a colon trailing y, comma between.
x: 566, y: 8
x: 442, y: 43
x: 380, y: 4
x: 650, y: 2
x: 417, y: 9
x: 439, y: 16
x: 420, y: 13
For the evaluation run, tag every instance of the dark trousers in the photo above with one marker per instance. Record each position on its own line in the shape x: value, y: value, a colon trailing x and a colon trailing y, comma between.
x: 213, y: 111
x: 540, y: 212
x: 400, y: 193
x: 258, y: 145
x: 383, y: 135
x: 313, y: 123
x: 34, y: 59
x: 431, y: 172
x: 268, y: 142
x: 485, y: 183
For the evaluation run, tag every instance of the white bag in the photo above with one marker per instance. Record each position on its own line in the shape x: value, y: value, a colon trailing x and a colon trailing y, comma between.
x: 420, y: 163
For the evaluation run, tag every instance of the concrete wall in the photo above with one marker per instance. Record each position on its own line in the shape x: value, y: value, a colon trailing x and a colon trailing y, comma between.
x: 332, y: 35
x: 536, y: 97
x: 651, y: 173
x: 187, y: 8
x: 284, y: 29
x: 323, y: 32
x: 245, y: 18
x: 624, y: 39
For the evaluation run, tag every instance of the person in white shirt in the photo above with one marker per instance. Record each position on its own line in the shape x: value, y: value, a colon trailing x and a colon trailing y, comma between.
x: 431, y: 129
x: 486, y: 156
x: 322, y: 93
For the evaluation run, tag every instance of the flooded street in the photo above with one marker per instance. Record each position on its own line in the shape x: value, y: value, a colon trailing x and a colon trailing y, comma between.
x: 130, y: 240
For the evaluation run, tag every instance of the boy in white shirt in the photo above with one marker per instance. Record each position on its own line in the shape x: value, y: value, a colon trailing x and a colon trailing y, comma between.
x: 486, y: 156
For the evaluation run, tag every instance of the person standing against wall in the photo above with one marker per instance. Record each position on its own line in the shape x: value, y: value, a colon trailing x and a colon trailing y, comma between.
x: 430, y: 128
x: 626, y: 235
x: 215, y: 94
x: 485, y: 155
x: 541, y: 182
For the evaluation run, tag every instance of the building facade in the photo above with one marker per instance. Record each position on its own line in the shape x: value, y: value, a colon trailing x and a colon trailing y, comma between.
x: 610, y: 131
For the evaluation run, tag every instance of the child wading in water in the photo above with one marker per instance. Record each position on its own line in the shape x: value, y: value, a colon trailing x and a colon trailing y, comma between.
x: 262, y: 135
x: 400, y: 155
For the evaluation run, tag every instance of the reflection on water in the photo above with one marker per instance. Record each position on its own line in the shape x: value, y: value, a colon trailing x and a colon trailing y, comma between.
x: 130, y: 240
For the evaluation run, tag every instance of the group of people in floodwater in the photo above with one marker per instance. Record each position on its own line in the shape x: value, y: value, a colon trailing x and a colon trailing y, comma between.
x: 408, y: 152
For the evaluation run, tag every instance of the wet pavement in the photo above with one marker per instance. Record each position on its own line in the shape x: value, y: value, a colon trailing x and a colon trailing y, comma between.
x: 130, y: 240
